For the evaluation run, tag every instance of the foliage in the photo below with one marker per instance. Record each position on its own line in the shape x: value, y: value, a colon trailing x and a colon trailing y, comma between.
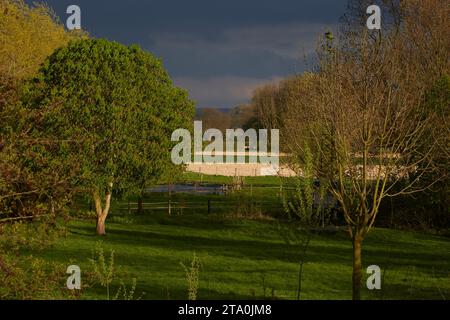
x: 126, y: 294
x: 429, y: 210
x: 22, y: 235
x: 113, y: 109
x: 33, y: 187
x: 305, y: 208
x: 104, y: 272
x: 31, y: 183
x: 31, y: 278
x: 29, y: 35
x: 24, y: 276
x: 192, y: 277
x: 306, y: 202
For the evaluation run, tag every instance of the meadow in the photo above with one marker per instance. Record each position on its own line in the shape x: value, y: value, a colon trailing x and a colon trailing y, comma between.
x: 242, y: 252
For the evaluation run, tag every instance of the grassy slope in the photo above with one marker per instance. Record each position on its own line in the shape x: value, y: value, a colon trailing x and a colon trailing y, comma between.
x: 241, y: 257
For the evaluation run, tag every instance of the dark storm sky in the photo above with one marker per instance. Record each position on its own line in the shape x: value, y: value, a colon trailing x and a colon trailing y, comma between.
x: 218, y: 50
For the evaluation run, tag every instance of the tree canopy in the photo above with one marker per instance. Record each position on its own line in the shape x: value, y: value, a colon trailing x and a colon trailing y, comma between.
x: 112, y: 109
x: 29, y: 34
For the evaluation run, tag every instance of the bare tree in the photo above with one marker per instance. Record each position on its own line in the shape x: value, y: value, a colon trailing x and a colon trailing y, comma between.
x: 266, y: 107
x: 370, y: 129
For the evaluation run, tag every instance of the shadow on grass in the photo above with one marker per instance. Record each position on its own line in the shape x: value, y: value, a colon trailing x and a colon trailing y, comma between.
x: 321, y: 251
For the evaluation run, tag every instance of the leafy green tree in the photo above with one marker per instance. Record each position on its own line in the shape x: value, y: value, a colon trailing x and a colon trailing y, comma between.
x: 29, y: 34
x: 34, y: 186
x: 112, y: 108
x: 31, y: 183
x: 177, y: 112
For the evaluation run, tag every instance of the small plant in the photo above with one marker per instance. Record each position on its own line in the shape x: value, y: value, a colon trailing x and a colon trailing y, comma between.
x: 124, y: 294
x: 103, y: 271
x: 305, y: 210
x: 192, y: 277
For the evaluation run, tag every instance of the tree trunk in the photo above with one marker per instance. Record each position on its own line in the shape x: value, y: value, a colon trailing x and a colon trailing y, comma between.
x: 141, y: 203
x: 101, y: 227
x: 102, y: 213
x: 357, y: 268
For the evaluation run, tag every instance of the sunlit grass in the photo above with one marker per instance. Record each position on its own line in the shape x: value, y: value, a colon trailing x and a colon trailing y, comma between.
x: 247, y: 259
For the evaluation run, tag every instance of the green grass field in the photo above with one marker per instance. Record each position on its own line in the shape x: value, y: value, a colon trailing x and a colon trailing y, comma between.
x: 247, y: 259
x: 259, y: 180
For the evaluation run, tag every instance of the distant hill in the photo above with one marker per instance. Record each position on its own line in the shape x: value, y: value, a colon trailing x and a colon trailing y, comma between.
x: 198, y: 111
x: 242, y: 116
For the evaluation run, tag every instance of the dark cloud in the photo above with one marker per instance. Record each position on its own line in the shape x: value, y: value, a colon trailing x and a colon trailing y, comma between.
x: 212, y: 47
